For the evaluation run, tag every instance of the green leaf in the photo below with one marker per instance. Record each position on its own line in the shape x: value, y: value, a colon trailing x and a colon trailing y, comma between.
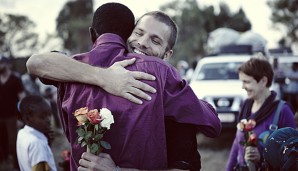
x: 105, y: 145
x: 98, y: 137
x: 81, y: 132
x: 88, y: 135
x: 94, y: 148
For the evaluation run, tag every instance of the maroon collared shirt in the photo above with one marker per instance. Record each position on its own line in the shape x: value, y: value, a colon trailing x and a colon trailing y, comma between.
x: 138, y: 136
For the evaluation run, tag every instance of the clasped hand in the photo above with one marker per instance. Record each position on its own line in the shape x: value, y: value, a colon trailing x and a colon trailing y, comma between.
x: 90, y: 162
x: 252, y: 154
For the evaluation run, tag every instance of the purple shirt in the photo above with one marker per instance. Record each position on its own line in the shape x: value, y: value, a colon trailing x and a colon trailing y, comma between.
x: 286, y: 119
x: 138, y: 136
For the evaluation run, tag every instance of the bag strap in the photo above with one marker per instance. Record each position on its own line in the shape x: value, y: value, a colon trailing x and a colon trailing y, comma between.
x: 274, y: 125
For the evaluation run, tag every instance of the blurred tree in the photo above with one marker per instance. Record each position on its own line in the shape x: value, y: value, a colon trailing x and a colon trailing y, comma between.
x: 189, y: 19
x: 72, y: 25
x: 285, y: 13
x: 16, y: 36
x: 239, y: 22
x: 195, y: 23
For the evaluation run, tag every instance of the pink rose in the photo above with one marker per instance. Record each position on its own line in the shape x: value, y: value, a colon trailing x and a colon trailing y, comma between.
x: 252, y: 139
x: 94, y: 117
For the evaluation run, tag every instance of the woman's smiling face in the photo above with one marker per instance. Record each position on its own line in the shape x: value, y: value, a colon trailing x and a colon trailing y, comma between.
x: 253, y: 88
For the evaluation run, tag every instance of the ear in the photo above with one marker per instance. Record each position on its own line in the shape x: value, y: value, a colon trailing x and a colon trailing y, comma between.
x: 264, y: 81
x: 168, y: 55
x: 93, y: 34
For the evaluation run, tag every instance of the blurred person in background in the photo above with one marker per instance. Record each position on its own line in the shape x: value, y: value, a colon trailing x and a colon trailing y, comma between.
x: 182, y: 67
x: 292, y: 88
x: 33, y: 86
x: 256, y: 75
x: 279, y: 77
x: 30, y: 83
x: 11, y: 91
x: 191, y: 70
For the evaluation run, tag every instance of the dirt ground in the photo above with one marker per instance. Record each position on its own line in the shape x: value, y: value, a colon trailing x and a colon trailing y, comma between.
x: 215, y: 152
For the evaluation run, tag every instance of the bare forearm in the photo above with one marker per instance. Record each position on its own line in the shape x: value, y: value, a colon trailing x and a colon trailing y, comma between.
x: 59, y: 67
x: 115, y: 79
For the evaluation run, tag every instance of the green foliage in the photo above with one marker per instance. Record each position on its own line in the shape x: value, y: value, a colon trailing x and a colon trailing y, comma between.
x: 285, y: 13
x: 94, y: 149
x: 98, y: 137
x: 91, y: 136
x: 195, y: 23
x: 81, y: 132
x: 88, y: 135
x: 17, y: 38
x: 72, y: 25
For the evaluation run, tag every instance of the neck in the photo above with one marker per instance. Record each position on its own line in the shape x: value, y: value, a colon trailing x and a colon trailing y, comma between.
x: 262, y: 97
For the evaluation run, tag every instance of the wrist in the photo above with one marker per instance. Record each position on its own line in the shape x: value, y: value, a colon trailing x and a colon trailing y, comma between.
x: 100, y: 76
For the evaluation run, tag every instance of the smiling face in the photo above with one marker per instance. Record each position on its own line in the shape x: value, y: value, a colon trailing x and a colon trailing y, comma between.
x: 150, y: 37
x: 253, y: 88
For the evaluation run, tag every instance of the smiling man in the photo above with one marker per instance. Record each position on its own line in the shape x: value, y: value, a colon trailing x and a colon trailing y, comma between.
x: 147, y: 40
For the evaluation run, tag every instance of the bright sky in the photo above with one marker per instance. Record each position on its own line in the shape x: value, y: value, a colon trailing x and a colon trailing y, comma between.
x: 45, y: 12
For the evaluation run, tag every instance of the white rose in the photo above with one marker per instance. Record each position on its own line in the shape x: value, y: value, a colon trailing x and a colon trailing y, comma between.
x: 107, y: 117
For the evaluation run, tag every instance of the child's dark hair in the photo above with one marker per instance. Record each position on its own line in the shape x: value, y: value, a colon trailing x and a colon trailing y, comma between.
x: 113, y: 18
x: 30, y: 104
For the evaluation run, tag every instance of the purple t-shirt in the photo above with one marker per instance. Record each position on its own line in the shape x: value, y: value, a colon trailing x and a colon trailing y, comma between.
x: 286, y: 119
x: 138, y: 136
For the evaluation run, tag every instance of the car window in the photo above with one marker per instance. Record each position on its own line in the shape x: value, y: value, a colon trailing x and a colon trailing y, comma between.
x: 219, y: 71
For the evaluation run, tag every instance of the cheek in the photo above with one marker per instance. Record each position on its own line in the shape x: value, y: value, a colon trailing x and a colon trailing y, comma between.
x: 158, y: 51
x: 249, y: 87
x: 131, y: 39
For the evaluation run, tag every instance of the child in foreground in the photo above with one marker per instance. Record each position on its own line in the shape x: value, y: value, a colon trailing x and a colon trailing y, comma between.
x: 33, y: 150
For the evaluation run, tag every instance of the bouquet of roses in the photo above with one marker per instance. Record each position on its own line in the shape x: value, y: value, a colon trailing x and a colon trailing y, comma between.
x: 92, y: 127
x: 249, y: 136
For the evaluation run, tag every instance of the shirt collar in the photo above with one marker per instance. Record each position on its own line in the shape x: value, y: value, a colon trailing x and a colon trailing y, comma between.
x: 36, y: 132
x: 109, y: 38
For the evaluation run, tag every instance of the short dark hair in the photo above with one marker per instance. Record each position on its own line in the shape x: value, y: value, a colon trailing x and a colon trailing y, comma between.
x: 30, y: 105
x: 257, y: 68
x: 164, y: 18
x: 113, y: 18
